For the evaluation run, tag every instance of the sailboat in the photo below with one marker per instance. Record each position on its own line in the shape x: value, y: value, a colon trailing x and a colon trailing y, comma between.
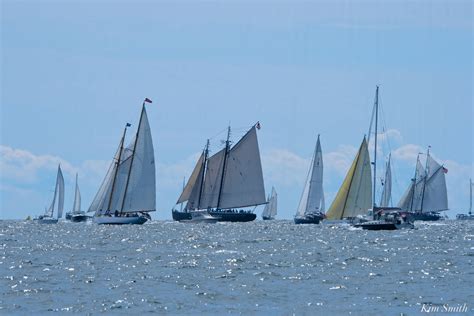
x: 426, y: 195
x: 128, y: 192
x: 230, y: 179
x: 76, y: 215
x: 48, y: 218
x: 311, y: 206
x: 355, y: 194
x: 270, y: 210
x: 469, y: 215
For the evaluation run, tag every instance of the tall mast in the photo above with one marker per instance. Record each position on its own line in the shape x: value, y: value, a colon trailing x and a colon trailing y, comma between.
x: 133, y: 155
x: 204, y: 162
x: 470, y: 196
x: 414, y: 183
x: 223, y: 168
x: 117, y: 165
x: 375, y: 143
x: 426, y: 177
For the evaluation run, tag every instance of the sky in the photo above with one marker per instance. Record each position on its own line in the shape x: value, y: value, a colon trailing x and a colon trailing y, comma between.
x: 73, y: 73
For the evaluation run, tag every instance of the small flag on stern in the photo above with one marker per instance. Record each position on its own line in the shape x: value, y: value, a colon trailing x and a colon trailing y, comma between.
x: 257, y: 125
x: 128, y: 125
x: 148, y: 100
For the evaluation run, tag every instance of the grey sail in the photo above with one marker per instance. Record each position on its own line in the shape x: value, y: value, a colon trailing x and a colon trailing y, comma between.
x: 387, y: 186
x: 312, y: 199
x: 76, y: 208
x: 212, y: 180
x: 243, y: 179
x: 435, y: 197
x: 140, y: 188
x: 59, y: 195
x: 270, y: 210
x: 411, y: 199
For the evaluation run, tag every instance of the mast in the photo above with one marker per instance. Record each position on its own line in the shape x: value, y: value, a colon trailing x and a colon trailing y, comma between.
x: 204, y: 163
x: 470, y: 196
x: 184, y: 182
x: 117, y: 165
x: 414, y: 183
x: 424, y: 182
x: 133, y: 155
x: 223, y: 168
x: 375, y: 143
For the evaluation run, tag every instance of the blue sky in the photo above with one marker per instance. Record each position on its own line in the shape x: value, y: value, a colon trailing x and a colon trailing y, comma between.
x: 73, y: 73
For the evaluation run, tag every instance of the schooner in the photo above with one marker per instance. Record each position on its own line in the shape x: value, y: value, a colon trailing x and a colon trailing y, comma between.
x: 270, y: 210
x: 48, y: 218
x: 128, y: 192
x: 229, y: 180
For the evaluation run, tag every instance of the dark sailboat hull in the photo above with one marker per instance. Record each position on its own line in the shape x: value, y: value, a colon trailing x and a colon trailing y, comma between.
x: 68, y: 216
x: 79, y: 218
x: 381, y: 225
x: 307, y: 220
x: 267, y: 218
x: 427, y: 217
x: 223, y: 216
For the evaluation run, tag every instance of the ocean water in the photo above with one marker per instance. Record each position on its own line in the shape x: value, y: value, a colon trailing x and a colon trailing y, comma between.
x: 270, y: 268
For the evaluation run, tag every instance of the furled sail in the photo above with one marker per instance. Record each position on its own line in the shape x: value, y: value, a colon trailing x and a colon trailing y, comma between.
x: 387, y: 186
x: 312, y: 199
x: 243, y: 179
x: 76, y: 208
x: 355, y: 194
x: 270, y: 210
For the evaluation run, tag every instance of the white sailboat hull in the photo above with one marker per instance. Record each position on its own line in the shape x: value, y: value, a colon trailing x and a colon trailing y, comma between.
x: 119, y: 220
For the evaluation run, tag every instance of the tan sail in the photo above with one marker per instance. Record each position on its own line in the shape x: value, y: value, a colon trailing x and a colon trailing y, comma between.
x: 355, y: 194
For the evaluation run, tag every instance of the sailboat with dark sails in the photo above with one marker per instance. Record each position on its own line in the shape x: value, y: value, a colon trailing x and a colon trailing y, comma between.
x: 226, y: 182
x: 128, y: 192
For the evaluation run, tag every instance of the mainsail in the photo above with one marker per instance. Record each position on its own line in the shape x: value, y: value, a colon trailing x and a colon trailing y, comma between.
x: 427, y: 191
x: 59, y: 194
x: 387, y: 186
x: 76, y: 208
x: 230, y: 178
x: 355, y: 194
x: 312, y: 199
x: 129, y: 185
x: 270, y: 210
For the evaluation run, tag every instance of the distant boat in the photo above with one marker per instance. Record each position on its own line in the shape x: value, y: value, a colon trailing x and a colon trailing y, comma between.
x: 354, y: 197
x: 76, y: 215
x: 426, y: 195
x: 311, y: 206
x: 270, y: 210
x: 128, y: 192
x: 469, y: 215
x: 387, y: 220
x: 48, y: 217
x: 230, y: 179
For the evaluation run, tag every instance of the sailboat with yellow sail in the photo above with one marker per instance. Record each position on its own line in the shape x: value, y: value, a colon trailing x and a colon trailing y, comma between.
x: 354, y: 197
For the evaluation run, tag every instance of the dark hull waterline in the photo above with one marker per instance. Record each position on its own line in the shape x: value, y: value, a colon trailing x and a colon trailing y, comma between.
x: 427, y: 217
x: 307, y: 220
x: 223, y: 216
x: 79, y: 218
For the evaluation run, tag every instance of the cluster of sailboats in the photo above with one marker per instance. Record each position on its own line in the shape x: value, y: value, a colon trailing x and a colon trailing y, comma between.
x: 228, y: 186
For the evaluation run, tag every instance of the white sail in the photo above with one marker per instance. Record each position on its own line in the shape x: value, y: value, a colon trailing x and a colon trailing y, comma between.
x: 270, y: 210
x: 140, y: 189
x: 212, y: 180
x: 387, y: 186
x: 407, y: 197
x: 60, y: 188
x: 243, y: 179
x: 312, y: 199
x: 411, y: 199
x: 435, y: 197
x: 76, y: 208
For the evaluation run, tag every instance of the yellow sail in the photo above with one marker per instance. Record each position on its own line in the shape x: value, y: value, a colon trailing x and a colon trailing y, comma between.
x: 355, y: 194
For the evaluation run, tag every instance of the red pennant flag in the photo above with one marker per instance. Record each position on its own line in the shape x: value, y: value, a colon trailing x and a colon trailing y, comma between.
x: 445, y: 170
x: 148, y: 100
x: 257, y: 125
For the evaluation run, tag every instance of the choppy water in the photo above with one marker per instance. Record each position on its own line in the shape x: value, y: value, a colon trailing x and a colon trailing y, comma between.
x: 250, y: 268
